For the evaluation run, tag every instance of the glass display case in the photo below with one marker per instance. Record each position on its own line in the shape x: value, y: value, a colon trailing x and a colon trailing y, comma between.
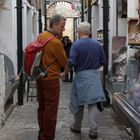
x: 11, y: 84
x: 127, y: 102
x: 132, y: 89
x: 116, y: 78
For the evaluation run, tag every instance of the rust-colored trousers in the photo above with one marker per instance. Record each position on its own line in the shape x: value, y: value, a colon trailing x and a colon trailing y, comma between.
x: 48, y: 98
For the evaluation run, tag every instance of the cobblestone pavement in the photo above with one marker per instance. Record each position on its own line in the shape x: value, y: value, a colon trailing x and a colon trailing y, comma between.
x: 22, y: 123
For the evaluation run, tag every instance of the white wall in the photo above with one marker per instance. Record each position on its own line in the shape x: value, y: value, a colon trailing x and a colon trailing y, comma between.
x: 6, y: 30
x: 112, y: 28
x: 100, y: 3
x: 8, y: 40
x: 6, y: 45
x: 131, y: 10
x: 2, y: 89
x: 95, y: 20
x: 112, y: 17
x: 30, y: 23
x: 14, y: 35
x: 24, y: 16
x: 69, y: 28
x: 122, y: 26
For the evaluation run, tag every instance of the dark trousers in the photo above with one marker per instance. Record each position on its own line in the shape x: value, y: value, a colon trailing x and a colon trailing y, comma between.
x: 48, y: 98
x: 69, y: 76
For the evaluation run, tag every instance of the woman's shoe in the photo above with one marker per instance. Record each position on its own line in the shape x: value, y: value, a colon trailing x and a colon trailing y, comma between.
x: 65, y: 80
x: 70, y: 80
x: 93, y: 134
x: 75, y: 129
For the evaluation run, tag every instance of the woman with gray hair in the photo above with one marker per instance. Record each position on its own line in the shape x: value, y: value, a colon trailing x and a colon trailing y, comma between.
x: 48, y: 88
x: 86, y: 56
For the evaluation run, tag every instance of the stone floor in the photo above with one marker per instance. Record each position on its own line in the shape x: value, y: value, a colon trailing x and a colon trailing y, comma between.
x: 22, y: 123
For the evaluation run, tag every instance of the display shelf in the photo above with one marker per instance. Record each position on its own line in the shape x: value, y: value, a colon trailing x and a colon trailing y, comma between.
x: 133, y: 32
x: 127, y: 112
x: 133, y: 76
x: 127, y: 102
x: 135, y: 47
x: 113, y: 86
x: 115, y: 80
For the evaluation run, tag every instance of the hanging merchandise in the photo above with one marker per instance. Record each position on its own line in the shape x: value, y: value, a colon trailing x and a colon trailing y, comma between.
x: 73, y: 7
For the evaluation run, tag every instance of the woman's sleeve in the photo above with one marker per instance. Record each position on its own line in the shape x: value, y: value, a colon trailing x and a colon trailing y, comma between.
x: 60, y: 54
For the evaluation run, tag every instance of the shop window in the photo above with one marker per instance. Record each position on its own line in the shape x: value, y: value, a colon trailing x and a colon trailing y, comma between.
x: 133, y: 78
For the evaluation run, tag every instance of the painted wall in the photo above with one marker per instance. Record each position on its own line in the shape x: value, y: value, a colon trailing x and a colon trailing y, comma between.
x: 100, y: 3
x: 69, y: 28
x: 132, y: 8
x: 6, y: 38
x: 6, y: 45
x: 95, y: 20
x: 8, y: 42
x: 2, y: 89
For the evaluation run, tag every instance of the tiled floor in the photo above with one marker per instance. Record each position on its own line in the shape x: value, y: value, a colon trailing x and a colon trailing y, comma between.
x: 22, y: 123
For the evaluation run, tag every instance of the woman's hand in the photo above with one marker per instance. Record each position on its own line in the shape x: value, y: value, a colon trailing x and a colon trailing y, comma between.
x: 62, y: 75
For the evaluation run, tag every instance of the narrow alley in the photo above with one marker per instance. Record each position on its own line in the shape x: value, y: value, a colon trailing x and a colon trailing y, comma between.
x: 115, y: 24
x: 22, y: 123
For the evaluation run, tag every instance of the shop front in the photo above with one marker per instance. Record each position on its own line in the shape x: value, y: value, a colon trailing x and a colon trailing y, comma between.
x: 126, y: 102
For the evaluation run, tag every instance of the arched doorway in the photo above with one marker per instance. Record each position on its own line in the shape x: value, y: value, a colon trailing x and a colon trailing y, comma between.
x: 70, y: 10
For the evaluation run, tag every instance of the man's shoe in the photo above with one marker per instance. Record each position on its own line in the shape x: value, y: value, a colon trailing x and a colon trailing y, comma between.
x: 75, y: 129
x: 93, y: 135
x: 65, y: 80
x: 100, y: 106
x: 70, y: 80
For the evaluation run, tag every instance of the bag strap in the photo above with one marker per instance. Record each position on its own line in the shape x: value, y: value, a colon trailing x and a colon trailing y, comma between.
x: 44, y: 43
x: 47, y: 40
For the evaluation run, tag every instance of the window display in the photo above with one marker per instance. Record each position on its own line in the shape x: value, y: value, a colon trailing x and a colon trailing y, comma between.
x: 118, y: 70
x: 132, y: 89
x: 116, y: 78
x: 133, y: 31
